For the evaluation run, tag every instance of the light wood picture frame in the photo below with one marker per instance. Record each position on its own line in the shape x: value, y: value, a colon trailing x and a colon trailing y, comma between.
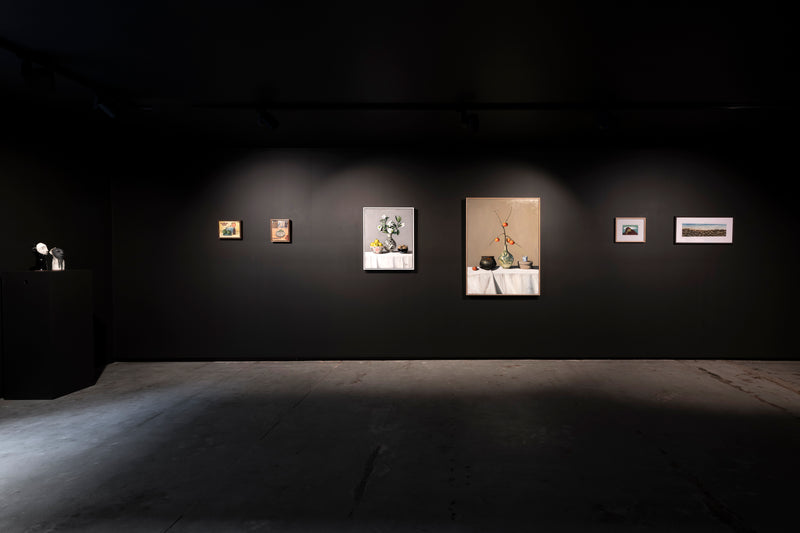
x: 630, y: 229
x: 503, y: 248
x: 280, y: 230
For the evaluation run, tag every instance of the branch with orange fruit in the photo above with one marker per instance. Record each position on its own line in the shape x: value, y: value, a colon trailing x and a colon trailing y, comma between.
x: 506, y: 238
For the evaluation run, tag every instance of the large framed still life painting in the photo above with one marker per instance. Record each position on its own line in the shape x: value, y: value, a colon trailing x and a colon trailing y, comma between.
x: 388, y: 238
x: 503, y: 249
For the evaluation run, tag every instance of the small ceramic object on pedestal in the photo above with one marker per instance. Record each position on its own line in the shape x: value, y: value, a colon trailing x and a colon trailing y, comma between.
x: 58, y: 262
x: 41, y: 253
x: 525, y: 264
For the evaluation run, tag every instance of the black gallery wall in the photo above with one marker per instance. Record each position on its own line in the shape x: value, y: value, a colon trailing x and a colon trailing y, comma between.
x: 58, y: 192
x: 141, y: 214
x: 180, y: 293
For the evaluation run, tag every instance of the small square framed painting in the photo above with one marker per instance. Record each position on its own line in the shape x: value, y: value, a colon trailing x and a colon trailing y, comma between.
x: 280, y: 229
x: 630, y: 229
x: 703, y: 230
x: 230, y: 229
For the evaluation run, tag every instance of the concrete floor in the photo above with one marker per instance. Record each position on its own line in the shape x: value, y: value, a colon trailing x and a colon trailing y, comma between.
x: 396, y: 446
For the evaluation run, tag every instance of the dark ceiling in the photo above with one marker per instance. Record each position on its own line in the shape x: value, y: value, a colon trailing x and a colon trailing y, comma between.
x: 360, y: 71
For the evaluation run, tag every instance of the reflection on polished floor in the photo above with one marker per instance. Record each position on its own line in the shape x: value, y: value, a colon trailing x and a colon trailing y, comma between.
x: 396, y: 446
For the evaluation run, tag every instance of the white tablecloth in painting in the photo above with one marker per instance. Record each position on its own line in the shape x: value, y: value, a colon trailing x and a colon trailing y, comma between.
x: 503, y: 281
x: 388, y: 261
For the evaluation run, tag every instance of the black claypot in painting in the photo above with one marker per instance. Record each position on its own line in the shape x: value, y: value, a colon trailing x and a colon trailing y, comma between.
x: 487, y: 262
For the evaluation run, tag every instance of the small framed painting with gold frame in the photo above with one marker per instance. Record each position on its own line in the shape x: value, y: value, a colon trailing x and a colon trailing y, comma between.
x: 230, y: 229
x: 280, y: 229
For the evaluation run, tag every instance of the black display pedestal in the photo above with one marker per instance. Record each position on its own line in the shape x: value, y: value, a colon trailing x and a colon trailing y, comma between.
x: 48, y: 344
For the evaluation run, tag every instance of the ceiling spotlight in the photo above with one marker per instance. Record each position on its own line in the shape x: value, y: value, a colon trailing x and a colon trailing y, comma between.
x: 104, y: 107
x: 470, y: 121
x: 267, y: 120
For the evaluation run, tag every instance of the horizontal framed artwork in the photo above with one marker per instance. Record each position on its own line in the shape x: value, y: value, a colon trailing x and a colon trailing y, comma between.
x: 703, y: 230
x: 630, y: 229
x: 230, y: 229
x: 280, y: 229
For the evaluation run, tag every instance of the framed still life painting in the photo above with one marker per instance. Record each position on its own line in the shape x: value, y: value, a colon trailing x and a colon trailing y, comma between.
x: 387, y: 241
x: 230, y: 229
x: 629, y: 229
x: 503, y: 251
x: 280, y: 229
x: 703, y: 230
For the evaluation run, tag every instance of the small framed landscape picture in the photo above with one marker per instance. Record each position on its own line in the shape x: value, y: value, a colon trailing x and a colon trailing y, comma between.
x: 280, y: 229
x: 629, y: 229
x: 703, y: 230
x: 230, y: 229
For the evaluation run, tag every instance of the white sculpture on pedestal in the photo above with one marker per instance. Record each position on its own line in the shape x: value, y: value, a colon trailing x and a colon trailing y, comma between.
x: 58, y: 259
x: 48, y: 259
x: 41, y: 252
